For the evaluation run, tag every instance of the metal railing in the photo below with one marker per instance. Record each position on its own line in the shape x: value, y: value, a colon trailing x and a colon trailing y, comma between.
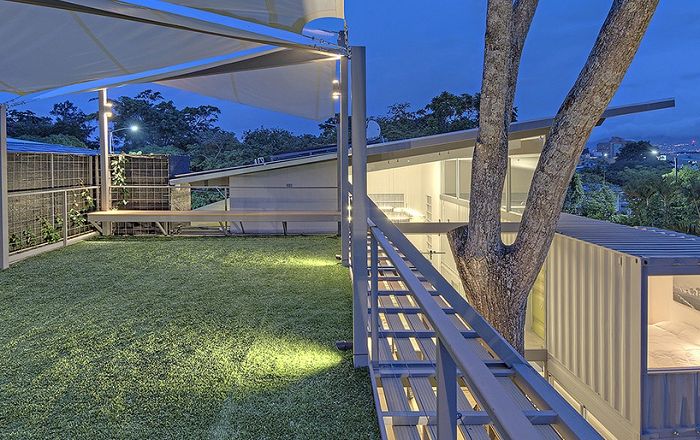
x: 453, y: 352
x: 49, y: 216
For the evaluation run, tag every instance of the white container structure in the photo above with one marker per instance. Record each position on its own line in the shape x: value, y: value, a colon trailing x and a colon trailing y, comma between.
x: 623, y: 327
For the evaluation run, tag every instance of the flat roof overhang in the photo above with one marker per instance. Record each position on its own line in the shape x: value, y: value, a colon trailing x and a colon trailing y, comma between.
x: 427, y: 148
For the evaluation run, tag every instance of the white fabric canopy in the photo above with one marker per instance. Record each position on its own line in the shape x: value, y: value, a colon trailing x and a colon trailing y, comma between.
x: 289, y: 15
x: 48, y: 45
x: 44, y: 48
x: 300, y: 89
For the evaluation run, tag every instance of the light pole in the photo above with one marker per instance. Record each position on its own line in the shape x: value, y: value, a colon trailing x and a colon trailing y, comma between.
x: 133, y: 128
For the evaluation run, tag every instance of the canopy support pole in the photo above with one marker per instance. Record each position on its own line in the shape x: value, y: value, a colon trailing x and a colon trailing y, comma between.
x: 105, y: 190
x: 343, y: 142
x: 4, y: 214
x: 359, y: 206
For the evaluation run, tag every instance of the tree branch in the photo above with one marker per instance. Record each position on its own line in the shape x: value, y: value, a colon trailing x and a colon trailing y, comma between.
x: 491, y: 150
x: 615, y: 46
x: 523, y: 13
x: 507, y: 27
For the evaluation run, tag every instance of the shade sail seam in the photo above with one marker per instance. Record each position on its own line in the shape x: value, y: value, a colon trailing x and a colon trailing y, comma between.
x: 98, y: 43
x: 13, y: 88
x: 233, y: 88
x: 272, y: 12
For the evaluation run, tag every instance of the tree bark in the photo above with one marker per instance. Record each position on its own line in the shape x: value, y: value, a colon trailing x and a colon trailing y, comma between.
x: 496, y: 277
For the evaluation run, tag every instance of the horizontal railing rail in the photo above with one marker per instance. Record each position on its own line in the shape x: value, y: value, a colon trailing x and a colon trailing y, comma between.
x: 453, y: 352
x: 65, y: 219
x: 213, y: 187
x: 33, y: 192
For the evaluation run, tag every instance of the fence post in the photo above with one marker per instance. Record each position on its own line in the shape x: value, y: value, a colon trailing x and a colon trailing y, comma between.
x: 446, y: 394
x: 105, y: 183
x: 359, y: 209
x: 4, y: 214
x: 343, y: 144
x: 65, y: 217
x: 374, y: 286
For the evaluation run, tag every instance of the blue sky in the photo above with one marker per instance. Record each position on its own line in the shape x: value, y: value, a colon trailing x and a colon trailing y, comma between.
x: 417, y: 49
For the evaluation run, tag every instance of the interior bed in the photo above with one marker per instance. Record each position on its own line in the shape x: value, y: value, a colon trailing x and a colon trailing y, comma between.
x: 674, y: 344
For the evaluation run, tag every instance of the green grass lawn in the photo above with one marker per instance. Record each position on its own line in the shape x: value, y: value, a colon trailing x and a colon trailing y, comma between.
x: 222, y: 338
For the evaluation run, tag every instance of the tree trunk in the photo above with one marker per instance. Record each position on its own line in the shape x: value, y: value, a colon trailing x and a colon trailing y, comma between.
x: 496, y: 277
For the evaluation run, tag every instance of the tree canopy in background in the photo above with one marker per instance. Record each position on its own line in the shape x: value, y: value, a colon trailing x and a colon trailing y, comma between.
x: 165, y: 128
x: 66, y: 125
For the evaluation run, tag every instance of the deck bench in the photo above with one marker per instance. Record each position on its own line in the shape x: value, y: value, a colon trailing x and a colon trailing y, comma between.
x: 203, y: 216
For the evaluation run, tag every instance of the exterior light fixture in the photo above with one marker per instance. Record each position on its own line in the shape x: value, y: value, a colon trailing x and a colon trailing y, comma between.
x: 336, y: 90
x: 132, y: 128
x: 654, y: 152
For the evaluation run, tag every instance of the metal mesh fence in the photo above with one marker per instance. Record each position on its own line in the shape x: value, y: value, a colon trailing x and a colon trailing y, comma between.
x: 146, y: 188
x: 49, y: 195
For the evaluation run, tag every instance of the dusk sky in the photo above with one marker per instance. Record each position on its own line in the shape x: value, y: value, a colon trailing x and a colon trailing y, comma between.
x: 415, y: 52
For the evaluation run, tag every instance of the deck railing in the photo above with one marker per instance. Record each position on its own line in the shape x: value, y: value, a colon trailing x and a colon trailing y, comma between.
x: 453, y: 353
x: 41, y: 217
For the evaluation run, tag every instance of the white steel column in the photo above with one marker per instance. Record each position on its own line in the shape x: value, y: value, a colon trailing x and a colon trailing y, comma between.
x: 359, y: 206
x: 4, y: 214
x: 105, y: 183
x: 343, y: 142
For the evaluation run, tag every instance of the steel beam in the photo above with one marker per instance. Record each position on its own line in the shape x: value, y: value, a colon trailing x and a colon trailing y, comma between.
x: 343, y: 143
x: 105, y: 183
x: 359, y: 206
x: 4, y: 214
x: 446, y: 393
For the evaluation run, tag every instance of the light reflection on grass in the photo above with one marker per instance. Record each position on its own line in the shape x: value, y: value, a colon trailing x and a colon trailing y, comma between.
x: 175, y: 338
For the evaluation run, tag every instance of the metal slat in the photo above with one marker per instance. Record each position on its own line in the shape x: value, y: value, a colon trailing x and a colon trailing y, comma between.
x: 423, y: 393
x: 394, y: 394
x: 416, y: 322
x: 474, y: 432
x: 406, y: 433
x: 405, y: 350
x: 394, y: 322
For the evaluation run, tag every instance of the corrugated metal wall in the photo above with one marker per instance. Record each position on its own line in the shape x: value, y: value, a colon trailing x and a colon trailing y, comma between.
x: 593, y: 326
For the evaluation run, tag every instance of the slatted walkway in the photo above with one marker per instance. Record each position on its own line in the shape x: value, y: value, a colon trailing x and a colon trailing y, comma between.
x: 404, y: 366
x: 404, y: 374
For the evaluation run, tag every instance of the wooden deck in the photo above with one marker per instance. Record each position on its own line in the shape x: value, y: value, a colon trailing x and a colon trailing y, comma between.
x: 403, y: 375
x: 213, y: 216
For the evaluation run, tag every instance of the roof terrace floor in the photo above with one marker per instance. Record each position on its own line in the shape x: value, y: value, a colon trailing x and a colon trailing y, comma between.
x: 181, y: 338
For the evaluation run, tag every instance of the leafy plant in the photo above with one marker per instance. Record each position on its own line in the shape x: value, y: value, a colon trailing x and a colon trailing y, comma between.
x: 15, y: 241
x: 118, y: 166
x: 28, y: 239
x: 51, y: 232
x: 81, y: 206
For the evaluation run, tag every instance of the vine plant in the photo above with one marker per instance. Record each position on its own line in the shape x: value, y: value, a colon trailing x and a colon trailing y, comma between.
x: 118, y: 166
x: 81, y: 206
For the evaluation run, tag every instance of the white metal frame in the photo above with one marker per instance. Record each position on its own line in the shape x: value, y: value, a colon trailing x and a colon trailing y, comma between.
x: 359, y: 205
x: 4, y: 220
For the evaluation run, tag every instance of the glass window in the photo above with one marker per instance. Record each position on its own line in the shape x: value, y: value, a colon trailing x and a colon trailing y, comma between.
x: 449, y: 174
x: 465, y: 178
